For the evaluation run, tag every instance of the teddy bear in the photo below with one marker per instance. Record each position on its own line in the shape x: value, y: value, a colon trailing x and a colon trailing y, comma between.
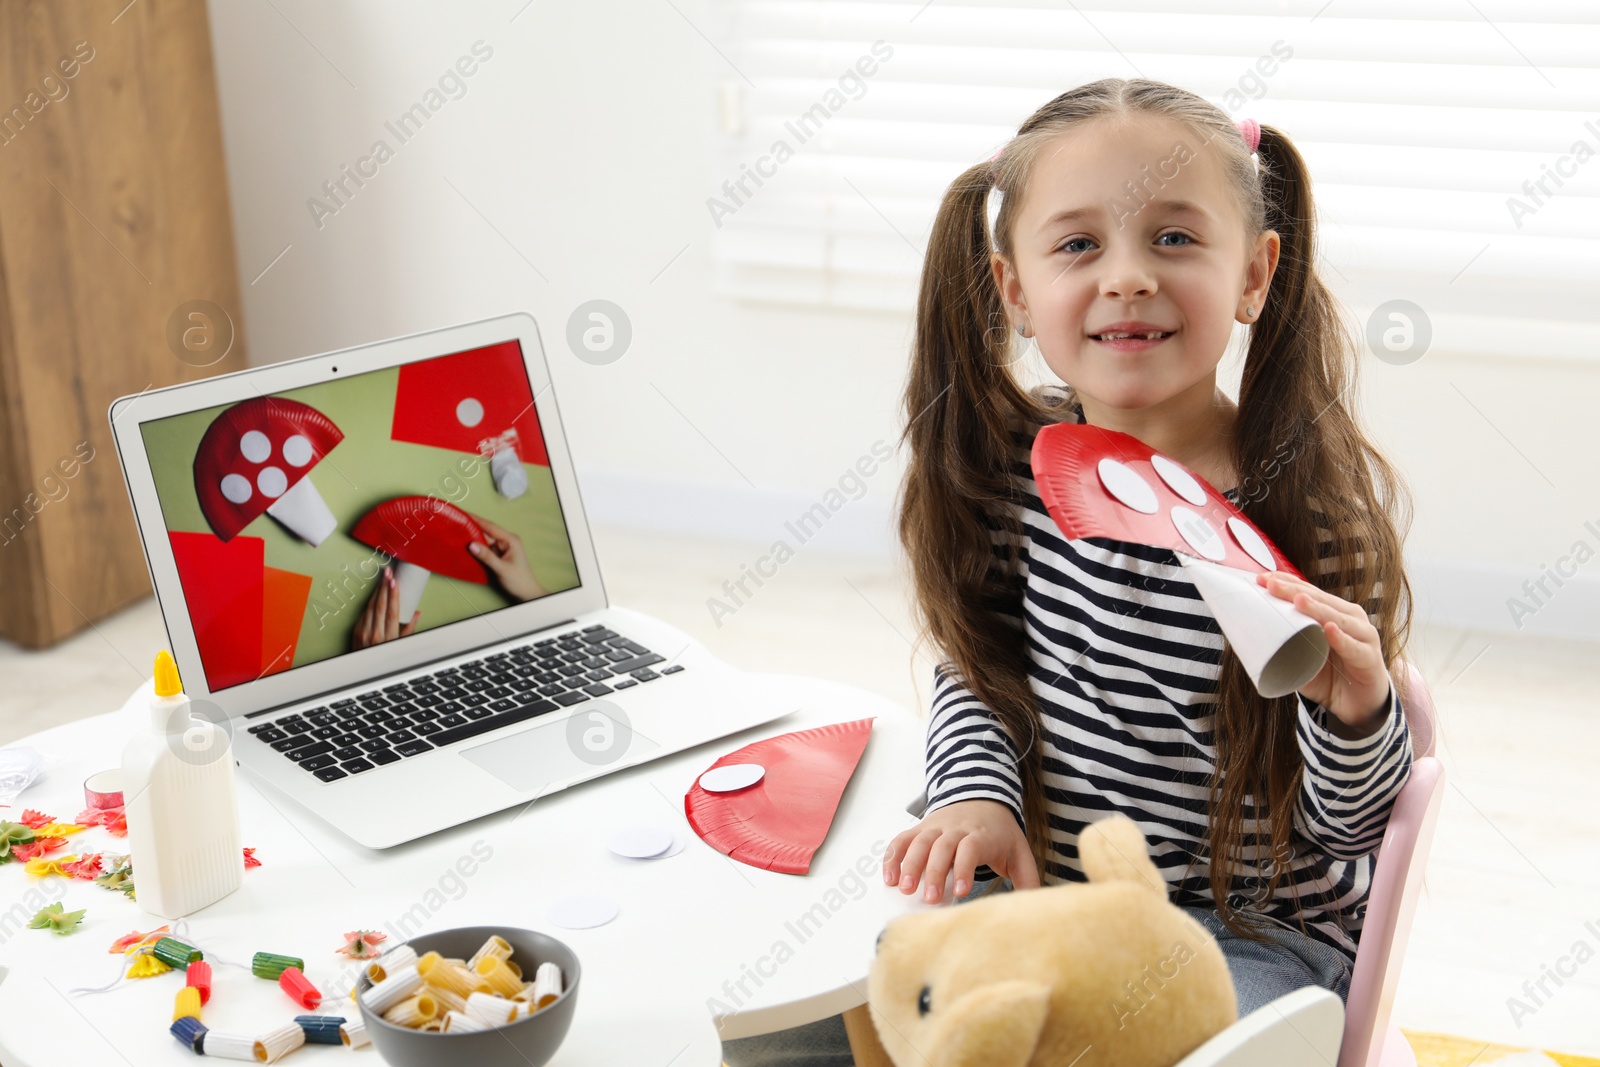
x: 1097, y: 973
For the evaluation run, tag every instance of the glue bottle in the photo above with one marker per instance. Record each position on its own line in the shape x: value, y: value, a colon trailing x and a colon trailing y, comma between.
x: 183, y: 819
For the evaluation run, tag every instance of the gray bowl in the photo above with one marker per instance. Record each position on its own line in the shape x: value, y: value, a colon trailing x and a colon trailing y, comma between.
x: 529, y: 1042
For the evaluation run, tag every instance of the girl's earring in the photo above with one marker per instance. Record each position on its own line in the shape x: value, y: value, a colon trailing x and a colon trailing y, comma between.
x: 1023, y: 331
x: 1250, y: 312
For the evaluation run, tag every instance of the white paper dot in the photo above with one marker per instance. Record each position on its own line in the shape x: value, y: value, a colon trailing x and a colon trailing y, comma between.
x: 1179, y: 480
x: 236, y: 487
x: 469, y: 412
x: 641, y: 842
x: 1127, y: 485
x: 272, y: 482
x: 297, y: 450
x: 731, y: 776
x: 678, y: 842
x: 1200, y: 534
x: 580, y: 913
x: 255, y: 446
x: 1252, y: 543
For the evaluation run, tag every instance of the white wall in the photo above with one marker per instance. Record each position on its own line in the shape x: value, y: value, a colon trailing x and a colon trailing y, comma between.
x: 577, y: 167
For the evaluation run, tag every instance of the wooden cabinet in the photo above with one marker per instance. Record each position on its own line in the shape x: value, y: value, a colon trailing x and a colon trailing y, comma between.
x: 115, y: 234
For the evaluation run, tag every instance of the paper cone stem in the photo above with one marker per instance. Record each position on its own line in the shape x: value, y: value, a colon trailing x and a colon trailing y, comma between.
x: 509, y: 477
x: 1280, y: 646
x: 304, y: 512
x: 411, y: 579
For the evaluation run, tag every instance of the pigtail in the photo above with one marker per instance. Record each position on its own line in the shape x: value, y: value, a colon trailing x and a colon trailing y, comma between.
x: 962, y: 410
x: 1323, y: 493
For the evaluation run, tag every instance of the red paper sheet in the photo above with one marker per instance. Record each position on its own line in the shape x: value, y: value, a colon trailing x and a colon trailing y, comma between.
x: 284, y: 595
x: 779, y: 823
x: 222, y: 582
x: 438, y: 400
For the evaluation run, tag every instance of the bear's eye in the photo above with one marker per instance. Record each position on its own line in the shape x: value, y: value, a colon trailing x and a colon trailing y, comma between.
x: 924, y: 1001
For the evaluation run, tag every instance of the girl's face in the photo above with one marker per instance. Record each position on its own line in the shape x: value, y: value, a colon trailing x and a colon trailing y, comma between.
x: 1128, y: 226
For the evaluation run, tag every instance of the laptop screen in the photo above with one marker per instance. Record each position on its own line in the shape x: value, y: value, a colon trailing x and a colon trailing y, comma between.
x: 321, y: 520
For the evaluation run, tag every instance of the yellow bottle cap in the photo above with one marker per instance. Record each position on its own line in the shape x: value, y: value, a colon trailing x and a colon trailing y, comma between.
x: 168, y: 684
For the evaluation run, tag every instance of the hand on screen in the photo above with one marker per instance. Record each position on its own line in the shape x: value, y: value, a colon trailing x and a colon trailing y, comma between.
x: 380, y: 619
x: 507, y: 561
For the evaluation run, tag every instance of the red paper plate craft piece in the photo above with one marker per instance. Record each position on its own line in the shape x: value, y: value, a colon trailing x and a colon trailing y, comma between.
x: 424, y: 535
x: 223, y: 589
x: 1101, y: 483
x: 255, y: 457
x: 779, y: 822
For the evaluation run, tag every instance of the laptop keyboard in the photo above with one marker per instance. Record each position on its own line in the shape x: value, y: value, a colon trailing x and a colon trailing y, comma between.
x: 387, y: 725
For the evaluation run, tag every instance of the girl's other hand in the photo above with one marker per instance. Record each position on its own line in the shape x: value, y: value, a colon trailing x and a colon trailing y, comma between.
x: 1354, y: 684
x: 380, y: 619
x: 964, y: 836
x: 507, y: 561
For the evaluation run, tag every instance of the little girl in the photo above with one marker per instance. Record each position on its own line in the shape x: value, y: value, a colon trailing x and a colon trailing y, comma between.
x: 1136, y: 224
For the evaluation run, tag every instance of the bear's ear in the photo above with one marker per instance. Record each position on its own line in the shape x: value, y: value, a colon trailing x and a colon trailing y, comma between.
x: 1114, y: 850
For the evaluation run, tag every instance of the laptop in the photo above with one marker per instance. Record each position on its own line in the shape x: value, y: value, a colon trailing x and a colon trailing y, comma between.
x: 375, y: 573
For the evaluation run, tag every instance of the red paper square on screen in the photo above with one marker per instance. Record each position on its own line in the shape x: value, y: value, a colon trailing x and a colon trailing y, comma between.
x: 222, y: 583
x: 461, y: 401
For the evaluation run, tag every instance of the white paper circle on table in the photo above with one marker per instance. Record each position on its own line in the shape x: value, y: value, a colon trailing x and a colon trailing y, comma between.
x: 1252, y: 543
x: 297, y: 450
x: 641, y: 842
x: 731, y: 776
x: 236, y: 487
x: 1179, y: 480
x: 1200, y: 534
x: 581, y: 913
x: 255, y: 446
x: 272, y: 482
x: 678, y: 842
x: 1127, y: 485
x: 469, y: 412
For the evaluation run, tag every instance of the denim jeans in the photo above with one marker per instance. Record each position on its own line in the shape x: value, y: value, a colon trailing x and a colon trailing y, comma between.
x: 1261, y: 974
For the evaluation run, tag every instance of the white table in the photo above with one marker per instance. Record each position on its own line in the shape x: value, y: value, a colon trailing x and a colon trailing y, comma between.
x: 661, y: 983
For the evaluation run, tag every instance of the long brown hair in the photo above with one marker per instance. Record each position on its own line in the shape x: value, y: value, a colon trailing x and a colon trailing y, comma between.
x: 1305, y: 463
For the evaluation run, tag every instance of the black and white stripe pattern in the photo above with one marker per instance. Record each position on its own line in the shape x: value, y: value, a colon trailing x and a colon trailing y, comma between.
x: 1124, y: 658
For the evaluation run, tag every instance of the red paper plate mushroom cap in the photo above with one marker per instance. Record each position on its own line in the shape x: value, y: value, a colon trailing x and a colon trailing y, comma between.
x: 252, y: 453
x: 427, y: 532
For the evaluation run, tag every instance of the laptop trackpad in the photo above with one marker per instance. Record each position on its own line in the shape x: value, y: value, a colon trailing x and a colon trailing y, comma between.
x: 588, y: 743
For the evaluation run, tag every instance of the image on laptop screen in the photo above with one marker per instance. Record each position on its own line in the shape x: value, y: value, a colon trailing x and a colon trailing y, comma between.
x: 287, y: 512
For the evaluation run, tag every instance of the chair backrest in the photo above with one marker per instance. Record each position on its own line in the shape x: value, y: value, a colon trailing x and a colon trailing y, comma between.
x: 1396, y: 883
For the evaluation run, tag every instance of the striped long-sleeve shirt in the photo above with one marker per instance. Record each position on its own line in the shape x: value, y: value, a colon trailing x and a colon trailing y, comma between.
x: 1123, y: 665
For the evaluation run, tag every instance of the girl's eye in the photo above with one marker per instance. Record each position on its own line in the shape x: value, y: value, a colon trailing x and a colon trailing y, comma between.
x: 1066, y: 246
x: 1187, y: 239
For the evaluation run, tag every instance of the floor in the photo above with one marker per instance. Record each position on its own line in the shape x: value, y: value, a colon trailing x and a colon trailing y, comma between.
x: 1506, y: 946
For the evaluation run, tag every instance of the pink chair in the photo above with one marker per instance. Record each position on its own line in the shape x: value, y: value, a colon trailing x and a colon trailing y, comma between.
x: 1370, y: 1039
x: 1305, y: 1026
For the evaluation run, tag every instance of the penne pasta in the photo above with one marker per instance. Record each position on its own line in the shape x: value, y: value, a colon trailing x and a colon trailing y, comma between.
x: 391, y: 961
x: 497, y: 947
x: 493, y: 1010
x: 393, y: 989
x: 495, y: 977
x: 413, y: 1011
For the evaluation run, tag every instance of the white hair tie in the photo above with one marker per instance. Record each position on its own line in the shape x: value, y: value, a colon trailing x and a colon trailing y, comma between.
x: 996, y: 199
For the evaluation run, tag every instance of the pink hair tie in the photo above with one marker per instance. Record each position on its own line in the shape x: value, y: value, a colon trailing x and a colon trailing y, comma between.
x: 1250, y: 130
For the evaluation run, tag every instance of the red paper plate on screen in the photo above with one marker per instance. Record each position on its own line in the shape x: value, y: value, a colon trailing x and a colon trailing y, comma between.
x: 779, y: 822
x: 1101, y: 483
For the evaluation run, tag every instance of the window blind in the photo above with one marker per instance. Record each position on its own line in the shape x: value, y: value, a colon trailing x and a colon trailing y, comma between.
x: 1454, y: 148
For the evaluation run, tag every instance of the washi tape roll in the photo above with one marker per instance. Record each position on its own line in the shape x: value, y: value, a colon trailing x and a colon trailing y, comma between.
x: 321, y: 1029
x: 103, y: 789
x: 270, y: 966
x: 190, y: 1031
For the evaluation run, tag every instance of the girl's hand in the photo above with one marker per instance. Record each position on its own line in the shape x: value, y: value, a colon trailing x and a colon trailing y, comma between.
x: 1354, y: 684
x: 966, y: 835
x: 380, y: 619
x: 507, y: 561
